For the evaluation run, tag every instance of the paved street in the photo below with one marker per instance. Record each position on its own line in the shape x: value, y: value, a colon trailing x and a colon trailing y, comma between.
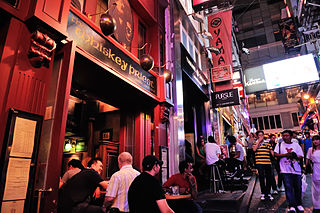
x: 279, y: 204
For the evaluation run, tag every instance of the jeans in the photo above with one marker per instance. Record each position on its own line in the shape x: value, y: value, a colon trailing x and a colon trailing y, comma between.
x: 265, y: 178
x: 293, y: 186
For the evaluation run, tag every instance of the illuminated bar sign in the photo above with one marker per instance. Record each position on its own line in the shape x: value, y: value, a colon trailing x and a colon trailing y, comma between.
x: 225, y: 98
x: 90, y: 41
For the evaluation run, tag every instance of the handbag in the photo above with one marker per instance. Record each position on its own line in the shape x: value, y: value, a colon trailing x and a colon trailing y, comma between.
x: 304, y: 184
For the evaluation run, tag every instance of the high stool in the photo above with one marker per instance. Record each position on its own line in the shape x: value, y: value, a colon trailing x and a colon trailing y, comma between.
x: 215, y: 178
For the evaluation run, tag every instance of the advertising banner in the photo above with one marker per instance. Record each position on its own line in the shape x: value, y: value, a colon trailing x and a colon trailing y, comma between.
x: 220, y: 28
x: 225, y: 98
x: 254, y: 80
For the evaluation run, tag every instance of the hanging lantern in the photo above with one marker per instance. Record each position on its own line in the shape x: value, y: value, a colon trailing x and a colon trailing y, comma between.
x: 146, y: 62
x: 107, y: 24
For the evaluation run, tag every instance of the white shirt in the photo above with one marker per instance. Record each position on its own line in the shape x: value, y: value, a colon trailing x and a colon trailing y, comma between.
x: 315, y: 157
x: 239, y: 148
x: 212, y: 150
x: 119, y: 185
x: 285, y: 164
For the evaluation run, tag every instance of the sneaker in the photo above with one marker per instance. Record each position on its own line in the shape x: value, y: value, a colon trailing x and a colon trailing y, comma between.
x: 262, y: 197
x: 281, y: 189
x: 270, y: 197
x: 300, y: 208
x: 274, y: 192
x: 291, y: 210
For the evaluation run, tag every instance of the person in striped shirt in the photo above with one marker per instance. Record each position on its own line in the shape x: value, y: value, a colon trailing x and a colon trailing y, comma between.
x: 117, y: 191
x: 263, y: 151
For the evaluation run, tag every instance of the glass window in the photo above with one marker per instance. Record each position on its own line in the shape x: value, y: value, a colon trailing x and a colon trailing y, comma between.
x: 260, y: 121
x: 266, y: 122
x: 272, y: 123
x: 191, y: 51
x: 292, y: 95
x: 278, y: 121
x: 255, y: 122
x: 184, y: 38
x: 295, y: 119
x: 142, y: 39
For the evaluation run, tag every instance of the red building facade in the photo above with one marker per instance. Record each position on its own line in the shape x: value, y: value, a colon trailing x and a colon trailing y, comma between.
x: 87, y: 90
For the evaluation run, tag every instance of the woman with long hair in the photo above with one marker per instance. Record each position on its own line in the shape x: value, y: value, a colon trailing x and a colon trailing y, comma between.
x: 313, y: 159
x: 201, y: 155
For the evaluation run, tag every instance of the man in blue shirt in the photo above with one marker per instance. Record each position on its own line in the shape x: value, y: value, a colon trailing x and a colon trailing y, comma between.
x: 306, y: 143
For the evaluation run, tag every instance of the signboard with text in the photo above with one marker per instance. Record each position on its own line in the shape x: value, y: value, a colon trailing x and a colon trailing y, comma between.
x: 225, y: 98
x: 93, y: 43
x: 221, y: 73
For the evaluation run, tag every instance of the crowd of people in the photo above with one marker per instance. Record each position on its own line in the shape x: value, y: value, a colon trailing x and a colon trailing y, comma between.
x: 279, y: 163
x: 128, y: 190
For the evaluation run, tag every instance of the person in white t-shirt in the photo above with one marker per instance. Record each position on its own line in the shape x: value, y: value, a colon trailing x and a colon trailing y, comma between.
x: 236, y: 154
x: 290, y: 153
x: 212, y: 150
x: 313, y: 158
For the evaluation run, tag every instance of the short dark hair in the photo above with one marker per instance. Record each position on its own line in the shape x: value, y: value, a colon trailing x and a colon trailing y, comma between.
x: 307, y: 133
x: 271, y: 135
x: 149, y: 161
x: 183, y: 165
x: 316, y: 137
x: 232, y: 139
x: 287, y: 131
x: 93, y: 161
x: 211, y: 139
x: 260, y: 131
x: 75, y: 163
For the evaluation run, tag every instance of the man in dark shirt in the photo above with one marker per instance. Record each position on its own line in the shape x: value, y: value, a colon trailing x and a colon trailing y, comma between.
x: 76, y: 194
x: 145, y: 193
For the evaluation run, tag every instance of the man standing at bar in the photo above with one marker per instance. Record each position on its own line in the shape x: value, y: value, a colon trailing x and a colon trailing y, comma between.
x: 76, y: 194
x: 145, y: 193
x: 117, y: 191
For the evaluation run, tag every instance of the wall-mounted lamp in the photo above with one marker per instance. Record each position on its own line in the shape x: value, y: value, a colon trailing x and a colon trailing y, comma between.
x: 214, y: 50
x: 197, y: 17
x: 146, y: 60
x: 206, y: 35
x: 107, y: 22
x: 167, y: 75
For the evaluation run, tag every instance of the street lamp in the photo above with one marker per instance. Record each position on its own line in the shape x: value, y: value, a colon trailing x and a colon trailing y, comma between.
x: 306, y: 96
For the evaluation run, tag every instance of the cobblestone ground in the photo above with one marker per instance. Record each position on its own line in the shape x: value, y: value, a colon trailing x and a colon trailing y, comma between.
x: 279, y: 204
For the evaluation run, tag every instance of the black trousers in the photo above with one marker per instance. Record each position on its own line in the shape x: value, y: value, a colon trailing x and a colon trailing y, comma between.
x: 265, y: 178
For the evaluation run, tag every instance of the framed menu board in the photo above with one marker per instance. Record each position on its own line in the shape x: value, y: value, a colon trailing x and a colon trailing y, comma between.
x: 164, y: 156
x: 18, y: 161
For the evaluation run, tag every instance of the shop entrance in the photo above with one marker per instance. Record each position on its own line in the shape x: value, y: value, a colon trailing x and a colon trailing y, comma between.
x: 106, y: 116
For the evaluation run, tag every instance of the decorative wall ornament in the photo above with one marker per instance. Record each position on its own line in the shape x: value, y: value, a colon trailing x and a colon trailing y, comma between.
x: 41, y: 49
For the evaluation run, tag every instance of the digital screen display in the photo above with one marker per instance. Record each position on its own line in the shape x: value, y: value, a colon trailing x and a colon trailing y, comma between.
x: 291, y: 71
